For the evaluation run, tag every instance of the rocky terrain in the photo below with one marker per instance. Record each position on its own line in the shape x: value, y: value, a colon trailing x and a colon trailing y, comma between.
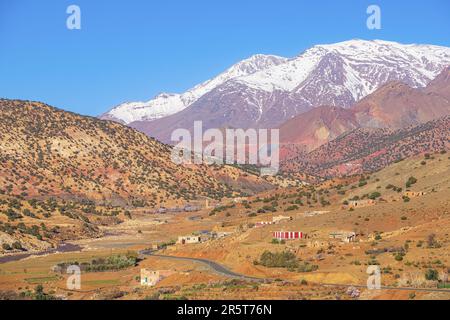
x: 48, y: 152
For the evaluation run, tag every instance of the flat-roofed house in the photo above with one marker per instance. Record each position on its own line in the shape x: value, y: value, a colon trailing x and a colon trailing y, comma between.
x: 279, y: 219
x: 345, y: 236
x: 288, y: 235
x: 361, y: 203
x: 414, y: 194
x: 189, y: 239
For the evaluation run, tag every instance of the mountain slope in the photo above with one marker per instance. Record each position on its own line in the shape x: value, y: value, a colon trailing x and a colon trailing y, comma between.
x: 441, y: 84
x: 337, y: 75
x: 167, y: 104
x: 46, y: 152
x: 395, y: 105
x: 318, y: 126
x: 366, y: 150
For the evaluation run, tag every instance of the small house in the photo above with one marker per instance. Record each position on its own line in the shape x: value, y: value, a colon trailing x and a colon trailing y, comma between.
x: 344, y: 236
x: 280, y: 219
x: 354, y: 204
x: 189, y: 239
x: 413, y: 194
x: 260, y: 224
x: 221, y: 234
x: 288, y: 235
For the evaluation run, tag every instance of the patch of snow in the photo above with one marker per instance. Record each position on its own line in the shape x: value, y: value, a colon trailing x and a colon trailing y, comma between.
x: 367, y: 65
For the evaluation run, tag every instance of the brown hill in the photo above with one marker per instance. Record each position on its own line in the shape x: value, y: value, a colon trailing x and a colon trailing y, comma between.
x: 318, y: 126
x: 366, y: 150
x: 440, y: 85
x: 48, y: 152
x: 396, y: 105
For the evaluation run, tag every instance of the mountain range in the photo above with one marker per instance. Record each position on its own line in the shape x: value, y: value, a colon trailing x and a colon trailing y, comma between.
x: 393, y: 123
x: 266, y: 91
x: 394, y: 105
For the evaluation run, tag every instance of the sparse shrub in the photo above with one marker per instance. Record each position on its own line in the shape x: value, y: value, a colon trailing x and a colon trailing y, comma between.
x: 399, y: 257
x: 374, y: 195
x: 278, y: 260
x: 432, y: 275
x: 17, y: 246
x: 410, y: 182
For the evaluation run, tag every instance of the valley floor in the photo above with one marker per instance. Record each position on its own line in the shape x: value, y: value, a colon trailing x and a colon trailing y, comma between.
x: 406, y: 238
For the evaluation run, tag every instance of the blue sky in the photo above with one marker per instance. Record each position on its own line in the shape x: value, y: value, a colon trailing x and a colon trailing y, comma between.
x: 132, y: 50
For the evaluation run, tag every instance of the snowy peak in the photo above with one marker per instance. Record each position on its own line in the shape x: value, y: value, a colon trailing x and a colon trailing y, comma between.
x: 162, y: 105
x: 166, y: 104
x: 268, y: 90
x: 367, y: 64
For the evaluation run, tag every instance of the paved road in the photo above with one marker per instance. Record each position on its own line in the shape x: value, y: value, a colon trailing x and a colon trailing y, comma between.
x: 224, y: 271
x: 211, y: 264
x: 386, y: 288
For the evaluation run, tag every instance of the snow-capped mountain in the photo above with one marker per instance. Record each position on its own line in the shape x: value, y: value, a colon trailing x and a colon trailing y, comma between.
x: 167, y: 104
x: 270, y: 90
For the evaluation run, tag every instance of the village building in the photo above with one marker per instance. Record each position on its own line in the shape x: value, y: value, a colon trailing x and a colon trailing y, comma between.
x: 189, y: 239
x: 279, y: 219
x: 414, y: 194
x: 288, y: 235
x: 314, y: 213
x: 240, y: 200
x: 275, y: 220
x: 354, y: 204
x: 344, y: 236
x: 220, y: 234
x: 260, y: 224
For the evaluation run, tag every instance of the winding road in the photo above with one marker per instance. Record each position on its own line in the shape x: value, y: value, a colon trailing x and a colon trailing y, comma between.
x: 224, y: 271
x: 216, y: 267
x: 211, y: 264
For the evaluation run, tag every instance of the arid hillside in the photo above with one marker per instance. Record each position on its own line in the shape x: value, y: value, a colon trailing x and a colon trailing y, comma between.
x: 316, y: 127
x: 367, y: 150
x: 46, y: 152
x: 400, y: 216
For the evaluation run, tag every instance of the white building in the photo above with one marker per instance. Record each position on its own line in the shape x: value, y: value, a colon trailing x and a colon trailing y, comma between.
x: 189, y: 239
